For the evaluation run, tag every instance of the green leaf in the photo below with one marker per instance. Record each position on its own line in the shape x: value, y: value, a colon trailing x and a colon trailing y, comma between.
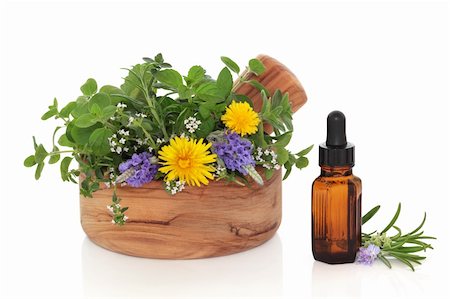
x: 230, y: 64
x: 268, y: 173
x: 403, y: 260
x: 205, y: 128
x: 288, y: 167
x: 411, y: 249
x: 65, y: 112
x: 209, y: 92
x: 109, y: 90
x: 370, y: 214
x: 29, y: 161
x: 385, y: 261
x: 256, y: 66
x: 34, y: 143
x: 258, y: 86
x: 179, y: 123
x: 204, y: 111
x: 40, y: 154
x: 98, y: 141
x: 282, y: 140
x: 224, y: 82
x: 305, y: 151
x: 159, y: 58
x: 96, y: 110
x: 266, y: 106
x: 63, y: 141
x: 39, y: 169
x: 184, y: 92
x: 195, y: 74
x: 85, y: 121
x: 276, y: 99
x: 420, y: 226
x: 283, y: 155
x: 148, y: 59
x: 132, y: 85
x: 54, y: 158
x: 170, y: 78
x: 101, y: 99
x: 397, y: 213
x: 89, y: 88
x: 81, y: 135
x: 81, y: 107
x: 64, y: 168
x: 108, y: 112
x: 52, y: 112
x: 301, y: 162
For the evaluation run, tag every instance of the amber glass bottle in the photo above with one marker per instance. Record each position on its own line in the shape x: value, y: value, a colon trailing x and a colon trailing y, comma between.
x: 336, y: 198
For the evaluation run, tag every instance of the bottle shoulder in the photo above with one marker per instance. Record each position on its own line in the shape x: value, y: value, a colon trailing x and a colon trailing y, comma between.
x: 330, y: 181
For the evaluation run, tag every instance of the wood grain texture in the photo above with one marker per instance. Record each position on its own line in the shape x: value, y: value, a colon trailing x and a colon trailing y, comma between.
x: 218, y: 219
x: 276, y: 76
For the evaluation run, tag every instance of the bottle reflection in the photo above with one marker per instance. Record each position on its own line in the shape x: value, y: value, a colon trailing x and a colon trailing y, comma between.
x: 257, y: 272
x: 335, y: 281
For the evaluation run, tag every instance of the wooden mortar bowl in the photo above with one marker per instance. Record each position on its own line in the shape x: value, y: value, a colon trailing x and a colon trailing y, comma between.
x: 219, y: 219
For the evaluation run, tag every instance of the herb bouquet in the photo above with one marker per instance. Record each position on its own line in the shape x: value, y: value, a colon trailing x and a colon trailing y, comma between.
x: 189, y: 164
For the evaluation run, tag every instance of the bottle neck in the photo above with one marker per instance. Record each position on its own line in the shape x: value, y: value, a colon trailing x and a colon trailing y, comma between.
x: 327, y: 171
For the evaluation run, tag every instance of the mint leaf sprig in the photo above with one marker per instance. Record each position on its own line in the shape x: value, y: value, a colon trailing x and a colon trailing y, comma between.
x: 403, y: 247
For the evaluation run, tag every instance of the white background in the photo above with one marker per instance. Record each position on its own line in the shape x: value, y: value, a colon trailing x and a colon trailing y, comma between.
x: 385, y: 65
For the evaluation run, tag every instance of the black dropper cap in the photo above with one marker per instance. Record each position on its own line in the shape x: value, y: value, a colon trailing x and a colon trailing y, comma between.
x: 336, y: 151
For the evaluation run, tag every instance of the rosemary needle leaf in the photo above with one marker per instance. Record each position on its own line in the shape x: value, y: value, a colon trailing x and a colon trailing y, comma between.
x: 406, y: 262
x: 420, y: 226
x: 394, y: 219
x: 385, y: 260
x: 370, y: 214
x: 399, y: 246
x: 398, y: 234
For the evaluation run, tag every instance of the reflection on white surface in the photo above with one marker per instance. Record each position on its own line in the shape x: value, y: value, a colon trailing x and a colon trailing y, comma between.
x: 335, y: 280
x: 257, y: 272
x: 354, y: 280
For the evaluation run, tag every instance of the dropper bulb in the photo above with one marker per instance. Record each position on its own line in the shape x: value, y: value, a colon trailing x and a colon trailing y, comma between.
x: 336, y: 129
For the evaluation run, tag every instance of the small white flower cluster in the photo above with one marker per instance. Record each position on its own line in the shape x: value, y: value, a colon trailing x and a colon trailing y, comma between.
x: 220, y: 170
x: 141, y: 115
x: 112, y: 178
x: 125, y: 218
x: 159, y: 140
x: 175, y: 186
x: 131, y: 119
x: 182, y: 135
x: 111, y: 208
x: 268, y: 158
x: 192, y: 124
x: 117, y: 142
x: 121, y: 106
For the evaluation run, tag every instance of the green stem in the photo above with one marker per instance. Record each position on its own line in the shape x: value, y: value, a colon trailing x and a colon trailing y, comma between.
x: 59, y: 152
x: 148, y: 135
x: 151, y: 104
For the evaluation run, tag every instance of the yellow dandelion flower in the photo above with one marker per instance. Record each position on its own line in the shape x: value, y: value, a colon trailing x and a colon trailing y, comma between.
x: 187, y: 160
x: 241, y: 118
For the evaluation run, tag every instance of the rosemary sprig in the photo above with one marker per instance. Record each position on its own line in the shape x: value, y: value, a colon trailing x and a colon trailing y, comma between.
x: 402, y: 247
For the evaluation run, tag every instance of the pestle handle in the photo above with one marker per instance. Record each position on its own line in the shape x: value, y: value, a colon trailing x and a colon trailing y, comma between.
x: 276, y: 76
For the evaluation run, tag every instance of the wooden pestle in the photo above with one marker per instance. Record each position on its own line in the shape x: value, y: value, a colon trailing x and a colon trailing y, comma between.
x: 276, y: 76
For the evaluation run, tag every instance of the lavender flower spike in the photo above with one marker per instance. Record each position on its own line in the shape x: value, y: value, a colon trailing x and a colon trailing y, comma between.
x: 367, y: 255
x: 236, y: 153
x: 138, y: 170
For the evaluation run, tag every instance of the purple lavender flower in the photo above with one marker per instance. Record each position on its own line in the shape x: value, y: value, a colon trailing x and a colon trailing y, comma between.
x: 236, y: 152
x: 138, y: 170
x: 367, y: 255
